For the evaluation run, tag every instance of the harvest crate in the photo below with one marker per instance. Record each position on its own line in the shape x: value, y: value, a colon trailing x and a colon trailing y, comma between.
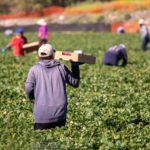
x: 30, y: 47
x: 70, y: 56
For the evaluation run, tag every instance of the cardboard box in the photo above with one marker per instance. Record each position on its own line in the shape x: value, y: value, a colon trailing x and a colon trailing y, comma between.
x: 70, y: 56
x: 30, y: 47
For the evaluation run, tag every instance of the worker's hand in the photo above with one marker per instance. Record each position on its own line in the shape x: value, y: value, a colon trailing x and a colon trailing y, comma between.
x: 76, y: 63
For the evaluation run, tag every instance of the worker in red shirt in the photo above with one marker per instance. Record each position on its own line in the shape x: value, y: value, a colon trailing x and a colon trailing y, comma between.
x: 17, y: 43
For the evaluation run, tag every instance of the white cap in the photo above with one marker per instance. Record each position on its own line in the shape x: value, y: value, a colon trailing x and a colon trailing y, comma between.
x: 141, y: 21
x: 41, y: 22
x: 122, y: 45
x: 46, y: 50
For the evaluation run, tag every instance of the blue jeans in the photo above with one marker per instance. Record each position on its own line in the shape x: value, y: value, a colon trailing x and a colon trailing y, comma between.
x: 145, y: 41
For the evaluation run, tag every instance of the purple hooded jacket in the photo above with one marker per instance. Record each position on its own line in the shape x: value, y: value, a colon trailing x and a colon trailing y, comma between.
x: 115, y: 54
x: 46, y: 84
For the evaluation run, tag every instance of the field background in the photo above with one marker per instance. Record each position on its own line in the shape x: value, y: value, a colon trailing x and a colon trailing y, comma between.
x: 75, y: 15
x: 109, y: 111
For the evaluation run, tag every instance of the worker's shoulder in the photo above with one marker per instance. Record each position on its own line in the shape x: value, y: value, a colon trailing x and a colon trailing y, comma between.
x: 35, y: 66
x: 62, y: 66
x: 14, y: 38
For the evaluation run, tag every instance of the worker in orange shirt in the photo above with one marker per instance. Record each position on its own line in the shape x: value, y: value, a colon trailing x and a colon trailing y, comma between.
x: 17, y: 43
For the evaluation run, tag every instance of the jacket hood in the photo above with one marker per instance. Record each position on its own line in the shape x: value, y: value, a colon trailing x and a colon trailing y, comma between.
x: 49, y: 63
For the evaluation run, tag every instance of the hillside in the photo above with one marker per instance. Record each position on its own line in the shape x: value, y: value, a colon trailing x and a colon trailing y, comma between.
x: 83, y: 13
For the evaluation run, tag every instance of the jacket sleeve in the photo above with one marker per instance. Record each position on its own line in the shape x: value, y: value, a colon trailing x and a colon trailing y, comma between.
x: 72, y: 78
x: 30, y: 85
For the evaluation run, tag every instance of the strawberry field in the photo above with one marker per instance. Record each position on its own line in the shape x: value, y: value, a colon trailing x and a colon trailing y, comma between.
x: 109, y: 111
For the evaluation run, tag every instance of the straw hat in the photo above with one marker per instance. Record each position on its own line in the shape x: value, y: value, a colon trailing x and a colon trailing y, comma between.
x: 41, y: 22
x: 141, y: 21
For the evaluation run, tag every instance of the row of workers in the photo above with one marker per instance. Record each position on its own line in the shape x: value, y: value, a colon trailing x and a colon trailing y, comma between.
x: 19, y: 39
x: 144, y: 33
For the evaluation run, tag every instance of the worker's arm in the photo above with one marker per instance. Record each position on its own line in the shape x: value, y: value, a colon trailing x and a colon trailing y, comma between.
x: 30, y: 84
x: 73, y: 77
x: 5, y: 48
x: 9, y: 45
x: 124, y: 57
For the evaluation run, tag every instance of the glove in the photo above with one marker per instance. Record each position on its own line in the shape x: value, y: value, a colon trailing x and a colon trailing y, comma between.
x: 76, y: 63
x: 3, y: 50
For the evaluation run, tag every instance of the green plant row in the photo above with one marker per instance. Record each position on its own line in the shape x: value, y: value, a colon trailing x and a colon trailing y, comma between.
x: 109, y: 111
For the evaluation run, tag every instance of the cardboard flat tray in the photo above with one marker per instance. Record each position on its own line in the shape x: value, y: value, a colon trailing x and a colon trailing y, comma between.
x: 30, y: 47
x: 70, y: 56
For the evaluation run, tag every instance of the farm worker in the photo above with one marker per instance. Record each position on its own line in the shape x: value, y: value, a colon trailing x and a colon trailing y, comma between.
x: 46, y: 85
x: 115, y: 54
x: 120, y: 30
x: 144, y: 34
x: 42, y: 31
x: 8, y: 32
x: 17, y: 42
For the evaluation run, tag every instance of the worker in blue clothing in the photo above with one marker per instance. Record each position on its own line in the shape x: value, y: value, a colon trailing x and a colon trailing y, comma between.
x: 114, y: 55
x: 144, y: 34
x: 120, y: 30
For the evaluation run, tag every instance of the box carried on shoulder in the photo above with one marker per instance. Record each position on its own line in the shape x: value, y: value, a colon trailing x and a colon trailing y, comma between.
x: 30, y: 47
x: 70, y: 56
